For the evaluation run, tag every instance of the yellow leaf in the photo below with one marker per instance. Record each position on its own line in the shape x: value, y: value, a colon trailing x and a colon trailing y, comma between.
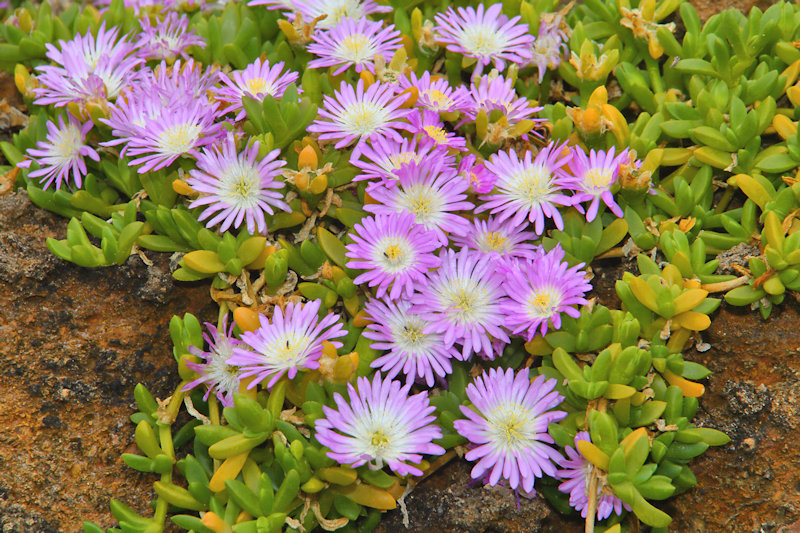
x: 593, y: 454
x: 692, y: 320
x: 688, y: 300
x: 644, y: 293
x: 690, y: 389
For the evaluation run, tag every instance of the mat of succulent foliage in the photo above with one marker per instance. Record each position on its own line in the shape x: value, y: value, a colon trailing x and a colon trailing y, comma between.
x: 397, y: 208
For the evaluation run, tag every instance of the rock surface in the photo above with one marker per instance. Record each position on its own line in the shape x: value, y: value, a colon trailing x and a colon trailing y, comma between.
x: 75, y: 343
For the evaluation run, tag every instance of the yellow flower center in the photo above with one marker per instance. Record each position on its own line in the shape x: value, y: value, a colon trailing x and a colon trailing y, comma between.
x: 597, y: 179
x: 355, y: 44
x: 439, y: 99
x: 495, y: 241
x: 179, y: 139
x: 379, y: 439
x: 542, y: 303
x: 402, y: 158
x: 258, y: 85
x: 437, y: 134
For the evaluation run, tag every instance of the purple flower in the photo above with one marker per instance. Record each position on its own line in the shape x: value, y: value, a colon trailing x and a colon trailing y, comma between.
x: 381, y: 424
x: 465, y: 301
x: 528, y: 189
x: 155, y: 94
x: 169, y: 38
x: 542, y: 289
x: 257, y: 80
x: 429, y: 190
x: 236, y: 187
x: 63, y: 152
x: 384, y: 157
x: 412, y: 347
x: 498, y: 94
x: 354, y: 42
x: 354, y: 113
x: 428, y: 125
x: 436, y: 95
x: 215, y: 372
x: 486, y: 35
x: 334, y: 10
x: 292, y: 342
x: 595, y: 175
x: 480, y: 180
x: 577, y: 473
x: 498, y: 238
x: 508, y: 424
x: 550, y: 46
x: 394, y: 251
x: 175, y: 132
x: 88, y: 68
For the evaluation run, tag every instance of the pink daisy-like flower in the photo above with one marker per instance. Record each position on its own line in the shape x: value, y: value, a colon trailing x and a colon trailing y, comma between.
x: 215, y: 372
x: 498, y: 238
x: 257, y: 80
x: 498, y: 94
x: 354, y: 42
x: 337, y: 10
x: 292, y: 342
x: 87, y: 68
x: 394, y: 251
x: 595, y: 175
x: 542, y: 289
x: 167, y: 39
x: 429, y: 190
x: 412, y: 348
x: 380, y: 424
x: 427, y: 125
x: 550, y: 47
x: 355, y: 114
x: 436, y: 95
x: 384, y: 157
x: 528, y: 189
x: 154, y: 94
x: 486, y: 35
x: 177, y: 131
x: 236, y: 187
x: 480, y: 180
x: 464, y: 300
x: 508, y: 424
x: 577, y: 472
x: 63, y: 152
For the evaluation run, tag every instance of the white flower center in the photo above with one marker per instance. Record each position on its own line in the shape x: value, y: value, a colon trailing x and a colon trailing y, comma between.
x: 257, y: 86
x: 531, y: 185
x: 597, y: 180
x: 337, y: 10
x: 288, y: 350
x: 224, y: 376
x: 482, y: 40
x: 492, y: 241
x: 397, y: 160
x: 394, y: 254
x: 408, y: 334
x: 241, y: 184
x: 356, y: 47
x: 379, y: 436
x: 425, y: 202
x: 179, y: 139
x: 543, y: 302
x: 68, y: 142
x: 465, y: 301
x: 511, y: 426
x: 363, y: 118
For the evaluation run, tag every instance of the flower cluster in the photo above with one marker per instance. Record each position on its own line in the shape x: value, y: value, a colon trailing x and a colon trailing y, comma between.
x: 442, y: 193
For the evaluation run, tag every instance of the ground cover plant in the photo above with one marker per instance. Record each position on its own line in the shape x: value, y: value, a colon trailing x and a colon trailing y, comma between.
x: 398, y: 209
